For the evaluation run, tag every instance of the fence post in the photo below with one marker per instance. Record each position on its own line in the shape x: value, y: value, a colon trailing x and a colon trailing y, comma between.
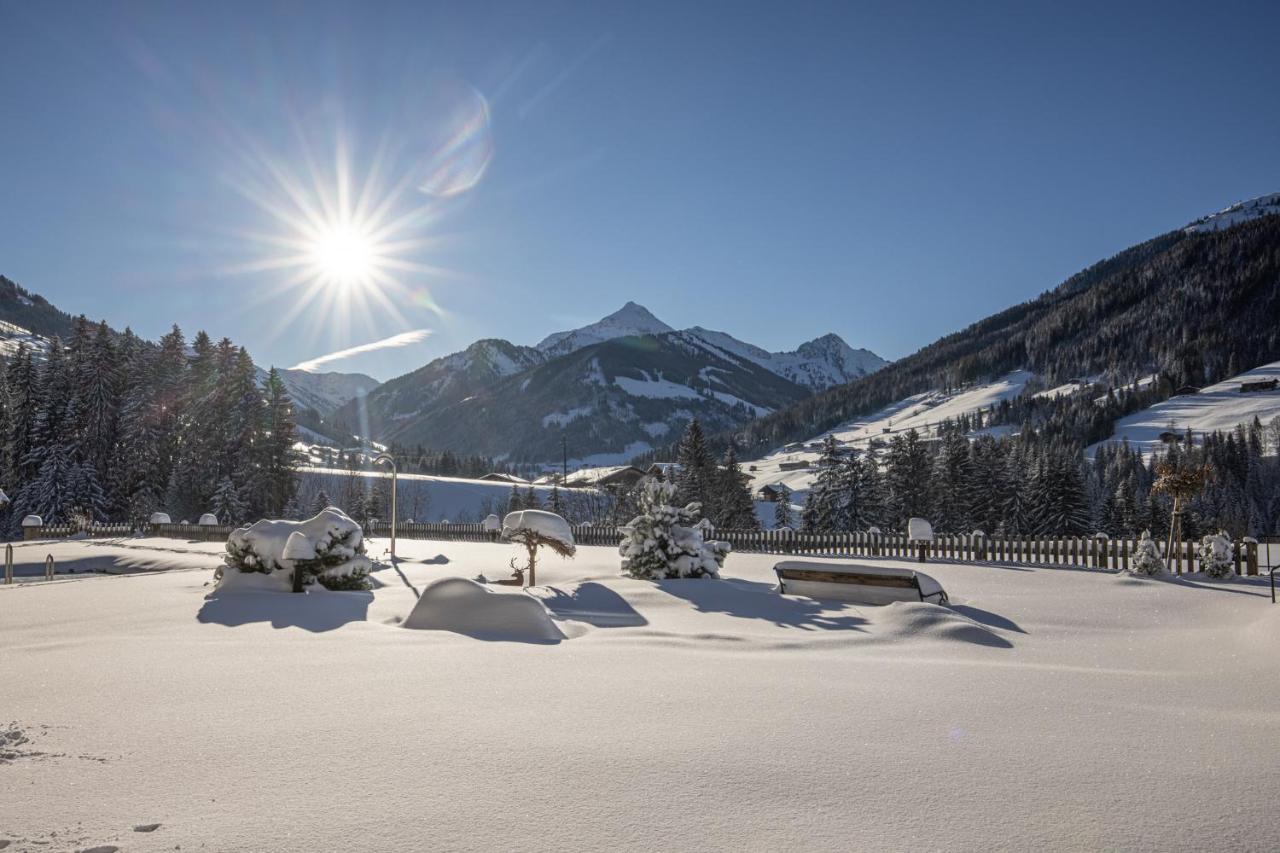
x: 8, y: 563
x: 1250, y: 556
x: 1100, y: 542
x: 48, y: 567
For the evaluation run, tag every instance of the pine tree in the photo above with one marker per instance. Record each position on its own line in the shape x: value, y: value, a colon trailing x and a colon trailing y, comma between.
x: 735, y: 510
x: 782, y: 508
x: 825, y: 508
x: 695, y: 473
x: 322, y: 502
x: 227, y: 504
x: 277, y: 460
x: 907, y: 471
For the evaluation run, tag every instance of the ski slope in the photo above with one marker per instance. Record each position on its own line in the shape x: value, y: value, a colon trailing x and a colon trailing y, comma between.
x: 1215, y: 408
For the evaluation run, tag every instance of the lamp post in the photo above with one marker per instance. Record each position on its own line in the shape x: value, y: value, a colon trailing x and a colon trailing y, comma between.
x: 391, y: 460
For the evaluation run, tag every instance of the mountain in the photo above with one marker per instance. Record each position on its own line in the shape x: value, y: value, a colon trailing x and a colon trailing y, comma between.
x: 629, y: 320
x: 324, y: 393
x: 614, y: 389
x: 1192, y: 307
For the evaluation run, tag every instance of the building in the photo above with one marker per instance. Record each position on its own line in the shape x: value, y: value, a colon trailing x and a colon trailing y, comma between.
x: 801, y: 465
x: 773, y: 494
x: 499, y: 477
x: 1254, y: 386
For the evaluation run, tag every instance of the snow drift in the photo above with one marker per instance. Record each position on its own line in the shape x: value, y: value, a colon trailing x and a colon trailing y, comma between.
x: 466, y: 607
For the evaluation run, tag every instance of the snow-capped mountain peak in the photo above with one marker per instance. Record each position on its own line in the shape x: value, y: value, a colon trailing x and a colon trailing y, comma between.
x: 1239, y: 212
x: 817, y: 364
x: 630, y: 319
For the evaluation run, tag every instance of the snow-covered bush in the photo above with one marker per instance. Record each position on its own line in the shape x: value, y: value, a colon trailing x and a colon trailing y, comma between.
x: 1215, y: 555
x: 159, y: 518
x: 535, y: 528
x: 208, y: 520
x: 329, y: 549
x: 664, y: 541
x: 1146, y: 559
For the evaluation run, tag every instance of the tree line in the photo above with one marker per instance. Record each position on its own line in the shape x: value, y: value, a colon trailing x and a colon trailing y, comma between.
x: 111, y: 427
x: 1030, y: 485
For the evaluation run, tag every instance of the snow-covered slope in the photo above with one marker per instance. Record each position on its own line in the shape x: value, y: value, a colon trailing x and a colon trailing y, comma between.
x: 921, y: 412
x: 630, y: 319
x: 12, y: 336
x: 1239, y: 212
x: 1215, y: 408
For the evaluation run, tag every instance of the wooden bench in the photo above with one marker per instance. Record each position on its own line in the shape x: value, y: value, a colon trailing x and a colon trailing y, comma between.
x: 857, y: 583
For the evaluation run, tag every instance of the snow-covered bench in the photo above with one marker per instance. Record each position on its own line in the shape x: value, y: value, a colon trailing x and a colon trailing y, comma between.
x: 857, y: 583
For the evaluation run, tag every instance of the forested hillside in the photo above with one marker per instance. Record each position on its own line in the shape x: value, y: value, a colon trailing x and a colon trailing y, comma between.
x: 1192, y: 307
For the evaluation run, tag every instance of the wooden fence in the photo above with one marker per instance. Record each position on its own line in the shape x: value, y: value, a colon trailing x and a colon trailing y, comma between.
x: 1077, y: 551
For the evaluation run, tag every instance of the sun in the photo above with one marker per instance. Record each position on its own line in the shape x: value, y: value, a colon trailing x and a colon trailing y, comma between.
x: 344, y: 254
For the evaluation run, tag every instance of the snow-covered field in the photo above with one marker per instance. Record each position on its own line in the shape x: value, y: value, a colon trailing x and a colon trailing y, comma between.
x: 1215, y: 408
x: 1049, y: 709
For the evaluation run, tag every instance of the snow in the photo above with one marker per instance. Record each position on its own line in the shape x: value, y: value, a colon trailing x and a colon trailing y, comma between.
x: 656, y: 389
x: 208, y: 519
x: 1217, y: 407
x: 548, y: 525
x: 818, y: 364
x: 1048, y: 708
x: 1235, y: 214
x: 466, y: 607
x: 630, y: 319
x: 919, y: 530
x: 566, y: 417
x: 160, y: 518
x: 921, y: 412
x: 32, y: 521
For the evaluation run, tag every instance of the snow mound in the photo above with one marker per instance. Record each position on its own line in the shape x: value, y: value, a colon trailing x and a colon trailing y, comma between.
x: 548, y: 525
x: 466, y: 607
x: 921, y: 620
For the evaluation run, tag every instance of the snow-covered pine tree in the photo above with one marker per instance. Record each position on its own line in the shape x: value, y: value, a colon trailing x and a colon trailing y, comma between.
x: 531, y: 499
x: 953, y: 473
x: 98, y: 390
x: 663, y: 541
x: 1214, y: 552
x: 824, y: 509
x: 1146, y: 560
x: 25, y: 410
x: 227, y: 504
x: 907, y: 475
x: 515, y: 502
x: 85, y: 497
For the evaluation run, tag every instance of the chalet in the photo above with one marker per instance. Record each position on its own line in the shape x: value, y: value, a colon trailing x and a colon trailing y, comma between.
x: 499, y: 477
x: 1169, y: 437
x: 663, y: 470
x: 623, y: 476
x: 773, y: 494
x: 801, y: 465
x: 1254, y: 386
x: 1186, y: 390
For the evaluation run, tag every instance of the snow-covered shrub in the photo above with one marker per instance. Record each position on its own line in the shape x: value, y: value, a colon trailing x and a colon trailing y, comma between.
x: 492, y: 524
x: 208, y: 520
x: 664, y: 541
x: 1146, y: 559
x: 159, y: 518
x: 329, y: 549
x: 1215, y: 555
x: 535, y: 528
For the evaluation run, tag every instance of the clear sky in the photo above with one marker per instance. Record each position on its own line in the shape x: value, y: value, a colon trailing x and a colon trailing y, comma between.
x: 886, y: 171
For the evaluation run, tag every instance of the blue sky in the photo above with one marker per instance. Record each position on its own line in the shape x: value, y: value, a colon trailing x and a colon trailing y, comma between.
x: 887, y: 171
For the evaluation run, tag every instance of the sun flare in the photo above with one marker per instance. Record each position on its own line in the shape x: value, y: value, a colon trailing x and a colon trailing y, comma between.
x: 344, y: 254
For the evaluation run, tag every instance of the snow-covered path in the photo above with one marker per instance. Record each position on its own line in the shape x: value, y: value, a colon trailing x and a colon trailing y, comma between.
x: 1057, y: 709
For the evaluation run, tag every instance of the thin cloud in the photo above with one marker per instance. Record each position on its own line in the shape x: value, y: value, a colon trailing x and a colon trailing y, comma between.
x: 403, y: 339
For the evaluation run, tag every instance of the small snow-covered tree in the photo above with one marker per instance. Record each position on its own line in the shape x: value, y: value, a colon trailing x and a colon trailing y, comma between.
x: 322, y: 502
x: 1146, y: 560
x: 664, y: 541
x: 1215, y: 555
x: 534, y: 529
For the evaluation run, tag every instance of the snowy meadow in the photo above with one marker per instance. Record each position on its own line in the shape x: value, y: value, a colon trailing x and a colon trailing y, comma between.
x: 1045, y: 708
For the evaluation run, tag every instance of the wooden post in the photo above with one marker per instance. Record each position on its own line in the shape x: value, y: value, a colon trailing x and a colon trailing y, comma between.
x: 1251, y: 555
x: 1100, y: 540
x: 8, y: 563
x: 48, y: 567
